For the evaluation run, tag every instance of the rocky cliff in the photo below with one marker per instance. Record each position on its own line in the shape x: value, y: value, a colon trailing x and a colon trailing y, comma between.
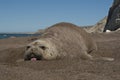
x: 113, y: 21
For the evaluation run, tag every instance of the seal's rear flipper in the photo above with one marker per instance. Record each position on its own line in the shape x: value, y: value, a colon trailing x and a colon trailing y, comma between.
x: 104, y: 59
x: 87, y: 56
x: 107, y: 59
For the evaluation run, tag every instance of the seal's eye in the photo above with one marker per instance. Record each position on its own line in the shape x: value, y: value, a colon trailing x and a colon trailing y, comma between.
x: 42, y: 47
x: 28, y: 47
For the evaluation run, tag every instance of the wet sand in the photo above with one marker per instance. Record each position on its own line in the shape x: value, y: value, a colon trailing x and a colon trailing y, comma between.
x: 12, y: 68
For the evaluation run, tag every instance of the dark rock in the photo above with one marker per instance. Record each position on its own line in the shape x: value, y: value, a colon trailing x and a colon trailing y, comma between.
x: 113, y: 21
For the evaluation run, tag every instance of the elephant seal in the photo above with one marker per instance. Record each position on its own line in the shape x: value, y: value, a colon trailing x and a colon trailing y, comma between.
x: 62, y: 40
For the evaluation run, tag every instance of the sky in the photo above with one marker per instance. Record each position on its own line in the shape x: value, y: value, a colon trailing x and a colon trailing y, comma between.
x: 32, y: 15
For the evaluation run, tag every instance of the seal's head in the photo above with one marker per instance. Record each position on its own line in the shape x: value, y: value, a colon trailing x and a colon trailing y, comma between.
x: 40, y: 49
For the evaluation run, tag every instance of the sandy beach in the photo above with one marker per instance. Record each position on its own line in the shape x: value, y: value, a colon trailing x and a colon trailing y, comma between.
x: 12, y: 68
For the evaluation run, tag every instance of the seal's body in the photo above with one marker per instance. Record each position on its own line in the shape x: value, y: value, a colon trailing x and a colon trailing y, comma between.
x: 62, y: 40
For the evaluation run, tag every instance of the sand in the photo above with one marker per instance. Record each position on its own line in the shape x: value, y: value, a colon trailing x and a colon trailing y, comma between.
x: 13, y: 68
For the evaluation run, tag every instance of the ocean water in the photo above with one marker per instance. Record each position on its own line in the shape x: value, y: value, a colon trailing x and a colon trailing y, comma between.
x: 5, y: 35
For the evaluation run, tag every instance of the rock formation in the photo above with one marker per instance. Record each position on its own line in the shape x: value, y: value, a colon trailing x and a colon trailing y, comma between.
x: 98, y: 27
x: 113, y: 21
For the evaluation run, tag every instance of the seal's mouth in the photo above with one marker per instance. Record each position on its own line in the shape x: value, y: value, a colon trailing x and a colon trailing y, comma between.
x: 33, y: 57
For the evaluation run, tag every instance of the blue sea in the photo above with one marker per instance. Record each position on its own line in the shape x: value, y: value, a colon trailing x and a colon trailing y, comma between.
x: 7, y: 35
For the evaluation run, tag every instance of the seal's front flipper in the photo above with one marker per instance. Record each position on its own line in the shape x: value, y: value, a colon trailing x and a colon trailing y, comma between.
x: 86, y: 56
